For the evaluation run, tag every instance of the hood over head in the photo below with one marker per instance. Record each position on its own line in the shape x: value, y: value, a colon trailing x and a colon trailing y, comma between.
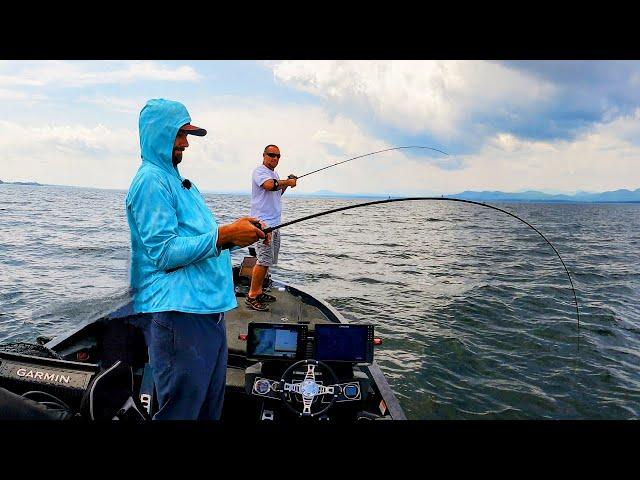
x: 159, y: 122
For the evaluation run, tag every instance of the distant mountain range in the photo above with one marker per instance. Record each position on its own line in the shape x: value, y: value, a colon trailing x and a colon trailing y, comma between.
x: 622, y: 195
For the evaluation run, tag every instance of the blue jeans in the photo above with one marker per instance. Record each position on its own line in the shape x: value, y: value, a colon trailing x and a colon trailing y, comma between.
x: 188, y: 355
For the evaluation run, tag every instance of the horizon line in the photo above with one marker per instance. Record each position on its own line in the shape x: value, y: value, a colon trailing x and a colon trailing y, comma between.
x: 330, y: 192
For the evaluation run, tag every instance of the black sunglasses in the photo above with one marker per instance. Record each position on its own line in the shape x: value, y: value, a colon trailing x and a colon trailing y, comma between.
x: 272, y: 155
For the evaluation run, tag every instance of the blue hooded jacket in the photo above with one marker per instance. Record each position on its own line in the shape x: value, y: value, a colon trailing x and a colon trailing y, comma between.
x: 172, y: 228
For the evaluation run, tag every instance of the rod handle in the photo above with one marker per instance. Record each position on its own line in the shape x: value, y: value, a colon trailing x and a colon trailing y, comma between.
x: 265, y: 230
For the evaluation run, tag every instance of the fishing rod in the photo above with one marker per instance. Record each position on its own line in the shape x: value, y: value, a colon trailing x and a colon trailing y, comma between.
x: 366, y: 155
x: 390, y: 200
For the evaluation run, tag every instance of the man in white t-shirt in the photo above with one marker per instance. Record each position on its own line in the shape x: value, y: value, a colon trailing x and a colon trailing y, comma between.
x: 266, y: 204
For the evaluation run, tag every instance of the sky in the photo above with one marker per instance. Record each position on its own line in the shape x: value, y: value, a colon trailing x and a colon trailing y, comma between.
x: 553, y: 126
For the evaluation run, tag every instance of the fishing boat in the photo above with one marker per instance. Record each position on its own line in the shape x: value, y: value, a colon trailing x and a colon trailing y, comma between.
x: 301, y: 361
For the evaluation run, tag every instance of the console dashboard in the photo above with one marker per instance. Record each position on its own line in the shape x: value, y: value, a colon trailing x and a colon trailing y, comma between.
x: 278, y: 346
x: 353, y: 389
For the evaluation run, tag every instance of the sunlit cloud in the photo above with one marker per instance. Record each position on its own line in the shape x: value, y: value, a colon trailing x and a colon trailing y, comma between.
x: 606, y: 157
x: 9, y: 95
x: 540, y: 126
x: 437, y: 97
x: 116, y: 104
x: 66, y: 154
x: 80, y: 74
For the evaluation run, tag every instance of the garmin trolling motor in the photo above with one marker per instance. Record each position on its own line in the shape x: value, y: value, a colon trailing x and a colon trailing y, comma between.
x: 390, y: 200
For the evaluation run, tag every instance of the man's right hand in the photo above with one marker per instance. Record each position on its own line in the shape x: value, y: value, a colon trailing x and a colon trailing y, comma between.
x: 241, y: 233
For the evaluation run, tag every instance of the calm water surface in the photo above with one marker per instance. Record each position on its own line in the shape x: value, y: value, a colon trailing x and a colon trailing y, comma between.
x: 474, y: 308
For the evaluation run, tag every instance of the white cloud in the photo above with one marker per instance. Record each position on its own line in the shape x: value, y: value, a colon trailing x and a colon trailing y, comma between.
x: 436, y: 97
x: 604, y: 158
x: 104, y: 157
x: 10, y: 95
x: 117, y: 104
x: 78, y: 136
x: 67, y: 154
x: 307, y: 136
x: 79, y: 74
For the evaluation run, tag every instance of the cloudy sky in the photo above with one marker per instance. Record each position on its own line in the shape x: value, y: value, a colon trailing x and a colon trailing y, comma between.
x: 554, y: 126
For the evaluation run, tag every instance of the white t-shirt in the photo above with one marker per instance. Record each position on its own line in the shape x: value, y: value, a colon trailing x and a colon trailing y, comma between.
x: 265, y: 204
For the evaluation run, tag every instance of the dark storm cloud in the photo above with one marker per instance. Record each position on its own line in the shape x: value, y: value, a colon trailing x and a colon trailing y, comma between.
x: 587, y: 92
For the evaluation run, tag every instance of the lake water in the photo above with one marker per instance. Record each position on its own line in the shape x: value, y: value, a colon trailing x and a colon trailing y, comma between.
x: 475, y: 310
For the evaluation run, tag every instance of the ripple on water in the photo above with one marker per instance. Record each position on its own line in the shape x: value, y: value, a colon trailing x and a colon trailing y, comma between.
x: 477, y: 316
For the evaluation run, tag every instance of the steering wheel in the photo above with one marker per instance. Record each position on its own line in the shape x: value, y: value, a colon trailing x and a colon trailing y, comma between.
x: 308, y: 388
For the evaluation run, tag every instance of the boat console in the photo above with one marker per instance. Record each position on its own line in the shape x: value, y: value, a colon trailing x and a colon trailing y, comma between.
x: 311, y: 373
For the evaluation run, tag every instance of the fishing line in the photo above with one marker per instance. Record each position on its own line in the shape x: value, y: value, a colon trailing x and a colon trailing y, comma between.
x: 390, y: 200
x: 366, y: 155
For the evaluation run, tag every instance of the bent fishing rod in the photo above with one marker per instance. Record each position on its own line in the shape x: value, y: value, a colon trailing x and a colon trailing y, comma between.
x: 390, y: 200
x: 366, y: 155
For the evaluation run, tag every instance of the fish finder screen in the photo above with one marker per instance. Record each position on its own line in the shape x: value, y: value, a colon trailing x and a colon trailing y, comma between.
x: 270, y: 341
x: 344, y: 343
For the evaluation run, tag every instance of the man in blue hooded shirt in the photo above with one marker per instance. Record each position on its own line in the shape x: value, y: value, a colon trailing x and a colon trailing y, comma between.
x: 181, y: 271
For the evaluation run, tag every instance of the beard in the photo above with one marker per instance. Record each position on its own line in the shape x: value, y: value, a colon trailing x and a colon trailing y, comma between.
x: 176, y: 158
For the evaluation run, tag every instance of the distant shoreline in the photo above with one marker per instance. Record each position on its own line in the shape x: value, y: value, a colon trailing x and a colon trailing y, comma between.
x: 618, y: 196
x: 36, y: 184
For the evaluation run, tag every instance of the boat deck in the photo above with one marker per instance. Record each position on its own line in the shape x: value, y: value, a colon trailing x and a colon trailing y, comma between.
x: 119, y: 336
x: 288, y: 308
